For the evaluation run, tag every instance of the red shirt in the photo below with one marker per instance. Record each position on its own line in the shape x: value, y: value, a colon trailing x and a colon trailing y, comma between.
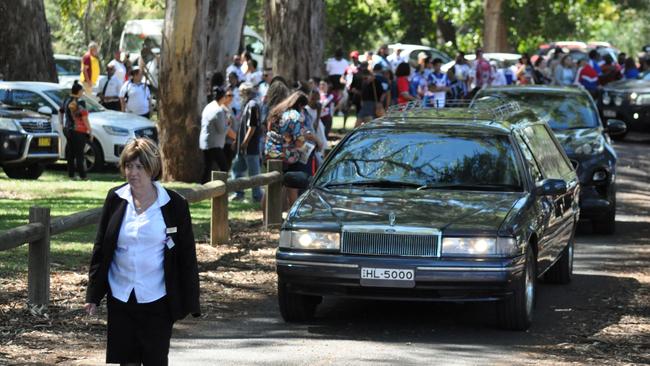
x: 402, y: 86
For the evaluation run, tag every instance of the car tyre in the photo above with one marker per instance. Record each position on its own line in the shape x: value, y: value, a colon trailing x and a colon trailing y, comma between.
x: 32, y: 171
x: 516, y: 311
x: 93, y: 156
x: 562, y: 269
x: 296, y: 307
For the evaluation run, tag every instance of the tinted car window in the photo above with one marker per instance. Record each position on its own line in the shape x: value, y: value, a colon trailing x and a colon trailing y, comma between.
x: 67, y: 67
x: 424, y: 158
x: 59, y: 95
x: 28, y: 100
x: 4, y: 96
x: 558, y: 110
x: 549, y: 157
x: 530, y: 159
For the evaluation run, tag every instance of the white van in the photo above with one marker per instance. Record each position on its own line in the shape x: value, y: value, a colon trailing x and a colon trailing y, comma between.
x: 136, y: 31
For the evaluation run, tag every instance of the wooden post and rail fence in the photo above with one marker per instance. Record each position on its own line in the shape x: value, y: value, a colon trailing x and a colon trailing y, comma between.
x: 42, y: 226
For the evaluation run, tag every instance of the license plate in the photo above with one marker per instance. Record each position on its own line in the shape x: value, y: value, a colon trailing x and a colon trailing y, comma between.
x: 387, y: 277
x: 609, y: 113
x: 44, y: 141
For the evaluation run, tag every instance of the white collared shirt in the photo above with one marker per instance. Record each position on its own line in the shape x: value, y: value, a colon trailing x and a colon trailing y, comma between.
x: 139, y: 96
x: 140, y: 252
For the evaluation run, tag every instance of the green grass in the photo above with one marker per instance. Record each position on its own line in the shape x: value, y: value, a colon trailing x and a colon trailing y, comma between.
x: 71, y: 250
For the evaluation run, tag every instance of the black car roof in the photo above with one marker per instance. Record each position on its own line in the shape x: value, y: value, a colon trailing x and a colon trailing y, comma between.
x: 457, y: 118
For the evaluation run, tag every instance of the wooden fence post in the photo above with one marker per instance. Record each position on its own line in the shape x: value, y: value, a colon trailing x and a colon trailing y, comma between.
x: 38, y: 275
x: 274, y: 203
x: 219, y: 226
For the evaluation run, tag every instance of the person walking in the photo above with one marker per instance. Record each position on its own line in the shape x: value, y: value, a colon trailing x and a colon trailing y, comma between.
x: 587, y: 77
x: 438, y: 85
x: 235, y: 67
x: 482, y: 71
x: 118, y: 66
x: 109, y: 89
x: 372, y: 93
x: 135, y: 96
x: 143, y: 261
x: 212, y: 138
x: 335, y: 68
x: 76, y: 130
x: 247, y: 143
x: 90, y: 68
x: 328, y: 103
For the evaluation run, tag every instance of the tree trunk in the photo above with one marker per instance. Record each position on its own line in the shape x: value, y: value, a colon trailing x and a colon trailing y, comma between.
x: 26, y: 51
x: 495, y: 37
x: 225, y: 25
x: 446, y: 31
x: 182, y: 95
x: 294, y: 32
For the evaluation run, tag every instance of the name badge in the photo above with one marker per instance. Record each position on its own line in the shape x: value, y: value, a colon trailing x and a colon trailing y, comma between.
x: 170, y: 243
x: 171, y: 230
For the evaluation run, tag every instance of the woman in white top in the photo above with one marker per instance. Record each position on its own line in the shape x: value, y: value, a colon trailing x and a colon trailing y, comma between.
x: 143, y: 261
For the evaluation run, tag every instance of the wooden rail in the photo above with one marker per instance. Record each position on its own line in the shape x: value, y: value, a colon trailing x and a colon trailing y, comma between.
x: 42, y: 226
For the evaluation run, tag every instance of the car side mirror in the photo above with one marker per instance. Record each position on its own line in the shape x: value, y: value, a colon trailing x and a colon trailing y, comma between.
x: 45, y: 110
x: 550, y: 187
x: 615, y: 127
x: 298, y: 180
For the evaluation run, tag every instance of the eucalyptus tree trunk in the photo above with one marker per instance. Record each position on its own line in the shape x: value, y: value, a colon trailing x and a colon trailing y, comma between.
x: 25, y: 43
x: 294, y: 32
x: 182, y: 91
x: 495, y: 36
x: 225, y: 25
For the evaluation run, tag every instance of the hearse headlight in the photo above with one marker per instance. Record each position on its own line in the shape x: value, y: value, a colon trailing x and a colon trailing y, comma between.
x: 304, y: 239
x: 10, y: 125
x: 641, y: 99
x: 618, y: 100
x: 606, y: 99
x: 592, y: 147
x: 479, y: 247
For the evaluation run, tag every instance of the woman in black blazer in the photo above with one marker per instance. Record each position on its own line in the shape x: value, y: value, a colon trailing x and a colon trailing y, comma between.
x: 144, y: 260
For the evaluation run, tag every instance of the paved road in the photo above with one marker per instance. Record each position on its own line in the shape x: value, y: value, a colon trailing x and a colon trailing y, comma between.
x: 601, y: 317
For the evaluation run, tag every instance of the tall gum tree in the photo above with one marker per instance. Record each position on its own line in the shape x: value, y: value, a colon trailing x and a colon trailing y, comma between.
x: 495, y: 36
x: 182, y: 89
x: 294, y: 34
x: 225, y: 24
x: 25, y: 42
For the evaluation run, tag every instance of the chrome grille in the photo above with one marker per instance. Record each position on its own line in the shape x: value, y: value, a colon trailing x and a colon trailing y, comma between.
x: 149, y: 132
x: 36, y: 125
x: 390, y: 244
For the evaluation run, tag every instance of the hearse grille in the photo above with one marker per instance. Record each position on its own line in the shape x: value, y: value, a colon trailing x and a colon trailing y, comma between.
x: 390, y: 244
x: 36, y: 125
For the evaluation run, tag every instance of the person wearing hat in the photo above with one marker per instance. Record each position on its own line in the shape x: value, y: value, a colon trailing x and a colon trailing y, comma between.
x: 109, y: 89
x: 135, y: 96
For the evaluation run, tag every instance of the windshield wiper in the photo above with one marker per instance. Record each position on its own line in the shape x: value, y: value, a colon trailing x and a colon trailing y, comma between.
x: 375, y: 183
x: 473, y: 187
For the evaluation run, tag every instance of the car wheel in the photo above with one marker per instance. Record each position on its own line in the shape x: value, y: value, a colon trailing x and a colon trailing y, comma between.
x: 93, y: 156
x: 562, y: 269
x: 25, y: 171
x: 516, y: 311
x: 607, y: 224
x: 296, y: 307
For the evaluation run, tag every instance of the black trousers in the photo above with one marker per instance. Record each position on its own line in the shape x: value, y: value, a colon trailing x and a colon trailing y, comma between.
x: 74, y: 152
x: 214, y: 156
x: 138, y: 333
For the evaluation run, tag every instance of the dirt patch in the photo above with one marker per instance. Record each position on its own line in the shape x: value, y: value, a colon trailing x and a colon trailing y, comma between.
x: 234, y: 277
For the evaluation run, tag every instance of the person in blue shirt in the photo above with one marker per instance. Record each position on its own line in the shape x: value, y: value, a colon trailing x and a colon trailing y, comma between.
x: 631, y: 71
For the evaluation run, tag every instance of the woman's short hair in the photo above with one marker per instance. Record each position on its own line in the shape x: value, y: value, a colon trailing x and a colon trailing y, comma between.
x: 147, y: 152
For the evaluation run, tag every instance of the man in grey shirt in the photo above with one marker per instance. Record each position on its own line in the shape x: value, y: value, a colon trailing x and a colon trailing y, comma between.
x: 214, y: 129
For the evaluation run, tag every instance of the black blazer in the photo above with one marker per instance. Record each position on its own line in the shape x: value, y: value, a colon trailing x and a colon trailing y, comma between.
x: 180, y: 265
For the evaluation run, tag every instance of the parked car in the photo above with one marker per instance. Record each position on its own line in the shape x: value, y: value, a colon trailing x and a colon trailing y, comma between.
x: 505, y: 60
x: 111, y: 130
x: 573, y: 116
x: 411, y: 51
x: 628, y: 100
x: 68, y: 69
x: 27, y: 142
x: 450, y: 205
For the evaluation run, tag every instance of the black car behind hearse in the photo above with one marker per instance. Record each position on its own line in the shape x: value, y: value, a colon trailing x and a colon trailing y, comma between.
x: 435, y: 205
x: 573, y: 116
x: 27, y: 142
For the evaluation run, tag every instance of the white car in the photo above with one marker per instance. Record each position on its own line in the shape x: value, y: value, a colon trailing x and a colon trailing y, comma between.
x: 68, y: 69
x: 504, y: 59
x: 111, y: 130
x: 411, y: 51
